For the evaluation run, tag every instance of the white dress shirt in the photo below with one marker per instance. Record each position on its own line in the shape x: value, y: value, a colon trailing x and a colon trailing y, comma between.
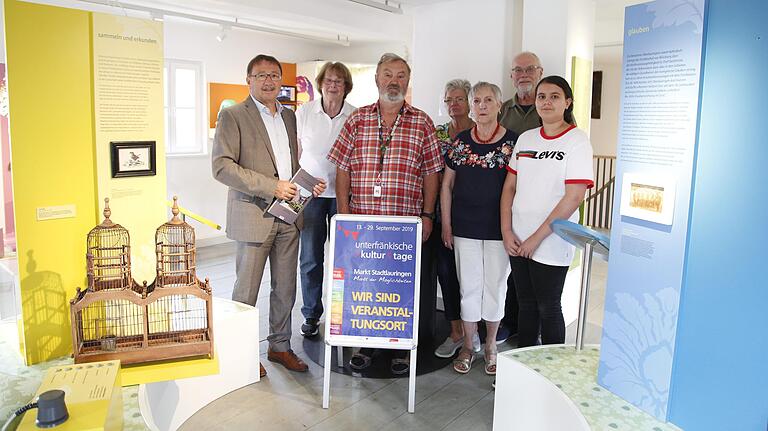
x: 317, y: 133
x: 278, y: 138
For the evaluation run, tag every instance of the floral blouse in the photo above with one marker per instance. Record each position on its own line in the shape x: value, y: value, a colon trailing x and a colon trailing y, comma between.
x: 444, y: 138
x: 480, y: 171
x: 460, y: 153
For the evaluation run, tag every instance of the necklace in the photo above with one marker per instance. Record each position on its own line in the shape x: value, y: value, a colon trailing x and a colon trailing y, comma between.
x: 485, y: 141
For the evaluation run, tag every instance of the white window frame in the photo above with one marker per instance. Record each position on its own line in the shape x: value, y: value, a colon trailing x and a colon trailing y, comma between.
x: 201, y: 138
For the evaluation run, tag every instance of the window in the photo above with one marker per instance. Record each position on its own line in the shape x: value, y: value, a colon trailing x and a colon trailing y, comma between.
x: 183, y: 110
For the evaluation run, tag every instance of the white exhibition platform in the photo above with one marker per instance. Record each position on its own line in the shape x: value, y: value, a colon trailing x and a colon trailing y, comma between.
x: 526, y: 400
x: 166, y: 405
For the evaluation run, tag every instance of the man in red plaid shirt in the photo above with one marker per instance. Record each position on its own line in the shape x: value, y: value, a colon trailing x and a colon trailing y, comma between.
x: 388, y: 162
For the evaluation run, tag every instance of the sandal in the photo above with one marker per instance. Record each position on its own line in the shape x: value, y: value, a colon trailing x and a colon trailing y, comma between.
x: 359, y: 361
x: 490, y: 363
x: 399, y: 366
x: 463, y: 363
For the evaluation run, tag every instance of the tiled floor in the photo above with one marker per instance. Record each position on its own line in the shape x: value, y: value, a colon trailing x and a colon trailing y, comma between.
x: 285, y: 400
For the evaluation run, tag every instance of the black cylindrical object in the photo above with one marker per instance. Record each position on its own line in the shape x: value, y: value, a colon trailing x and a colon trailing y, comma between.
x: 51, y: 409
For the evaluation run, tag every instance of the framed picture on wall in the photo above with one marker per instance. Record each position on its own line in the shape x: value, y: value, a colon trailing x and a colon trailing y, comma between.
x: 597, y: 93
x: 133, y: 158
x: 649, y: 197
x: 287, y: 93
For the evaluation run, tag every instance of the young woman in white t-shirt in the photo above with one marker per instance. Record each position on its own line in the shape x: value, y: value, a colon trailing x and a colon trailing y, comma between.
x: 548, y: 174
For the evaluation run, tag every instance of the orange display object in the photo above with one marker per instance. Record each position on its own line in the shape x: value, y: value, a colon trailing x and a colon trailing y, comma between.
x: 218, y: 92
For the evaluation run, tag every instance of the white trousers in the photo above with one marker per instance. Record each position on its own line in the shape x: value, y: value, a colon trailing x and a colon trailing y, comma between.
x: 482, y: 267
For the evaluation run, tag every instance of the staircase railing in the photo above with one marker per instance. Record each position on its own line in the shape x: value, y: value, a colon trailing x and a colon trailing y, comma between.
x: 598, y: 205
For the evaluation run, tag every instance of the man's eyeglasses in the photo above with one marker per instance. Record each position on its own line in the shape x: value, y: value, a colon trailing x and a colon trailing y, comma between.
x: 264, y: 75
x: 450, y: 100
x: 530, y: 70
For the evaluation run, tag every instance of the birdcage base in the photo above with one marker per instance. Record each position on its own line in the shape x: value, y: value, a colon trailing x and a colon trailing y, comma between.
x: 152, y: 353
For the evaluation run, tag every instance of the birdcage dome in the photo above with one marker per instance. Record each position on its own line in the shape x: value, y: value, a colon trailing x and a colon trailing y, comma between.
x: 108, y: 255
x: 176, y: 252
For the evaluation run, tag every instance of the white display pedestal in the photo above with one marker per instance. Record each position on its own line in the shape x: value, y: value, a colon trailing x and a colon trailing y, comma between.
x: 166, y: 405
x: 526, y: 400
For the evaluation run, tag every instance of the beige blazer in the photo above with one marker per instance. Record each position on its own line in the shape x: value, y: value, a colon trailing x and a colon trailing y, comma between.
x: 242, y: 158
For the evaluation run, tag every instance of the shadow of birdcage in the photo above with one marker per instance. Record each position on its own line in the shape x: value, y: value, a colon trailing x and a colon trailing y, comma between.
x: 116, y: 318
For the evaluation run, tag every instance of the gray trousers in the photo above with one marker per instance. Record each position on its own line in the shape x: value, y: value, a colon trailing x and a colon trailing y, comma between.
x: 282, y: 248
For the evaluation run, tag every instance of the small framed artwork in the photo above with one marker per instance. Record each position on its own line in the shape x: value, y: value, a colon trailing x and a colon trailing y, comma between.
x: 648, y: 197
x: 287, y: 93
x: 597, y: 93
x: 132, y: 159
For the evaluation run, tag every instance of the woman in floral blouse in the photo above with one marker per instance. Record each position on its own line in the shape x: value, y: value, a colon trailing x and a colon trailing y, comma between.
x: 455, y: 97
x: 471, y: 189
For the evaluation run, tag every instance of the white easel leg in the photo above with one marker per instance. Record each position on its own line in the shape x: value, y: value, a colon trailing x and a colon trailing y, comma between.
x: 340, y: 356
x: 412, y: 383
x: 327, y: 377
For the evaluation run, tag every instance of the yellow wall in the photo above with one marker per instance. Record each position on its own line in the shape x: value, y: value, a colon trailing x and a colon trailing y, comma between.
x: 52, y: 150
x: 60, y: 156
x: 581, y: 82
x: 137, y: 203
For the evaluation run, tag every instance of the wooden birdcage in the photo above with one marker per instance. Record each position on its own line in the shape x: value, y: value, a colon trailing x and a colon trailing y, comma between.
x: 108, y: 255
x: 169, y: 319
x: 175, y: 248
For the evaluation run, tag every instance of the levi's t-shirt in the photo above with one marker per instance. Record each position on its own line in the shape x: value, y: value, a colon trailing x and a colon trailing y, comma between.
x: 544, y: 165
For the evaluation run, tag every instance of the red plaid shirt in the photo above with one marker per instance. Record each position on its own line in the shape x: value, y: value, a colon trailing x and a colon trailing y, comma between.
x: 412, y: 154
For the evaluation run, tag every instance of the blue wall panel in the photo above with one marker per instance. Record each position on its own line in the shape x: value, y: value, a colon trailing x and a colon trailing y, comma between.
x: 720, y: 371
x: 657, y: 137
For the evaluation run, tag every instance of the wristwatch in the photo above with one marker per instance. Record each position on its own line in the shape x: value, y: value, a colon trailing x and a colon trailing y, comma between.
x: 430, y: 216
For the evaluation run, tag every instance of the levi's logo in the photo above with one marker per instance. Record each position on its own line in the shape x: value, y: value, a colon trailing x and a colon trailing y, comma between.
x: 556, y: 155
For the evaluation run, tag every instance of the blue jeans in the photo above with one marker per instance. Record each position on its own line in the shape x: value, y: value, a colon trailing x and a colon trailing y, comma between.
x: 317, y: 216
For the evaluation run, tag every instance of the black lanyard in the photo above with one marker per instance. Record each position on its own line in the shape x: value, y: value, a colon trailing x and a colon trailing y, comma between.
x: 384, y: 142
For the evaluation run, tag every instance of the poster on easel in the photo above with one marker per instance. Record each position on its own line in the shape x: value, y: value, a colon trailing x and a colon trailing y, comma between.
x: 373, y: 291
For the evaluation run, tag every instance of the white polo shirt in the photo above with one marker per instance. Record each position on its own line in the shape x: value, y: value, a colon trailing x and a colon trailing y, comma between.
x: 544, y: 165
x: 278, y: 138
x: 317, y: 133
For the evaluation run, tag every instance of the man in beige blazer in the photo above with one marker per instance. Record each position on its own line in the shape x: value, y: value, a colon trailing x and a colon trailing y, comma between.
x: 255, y: 154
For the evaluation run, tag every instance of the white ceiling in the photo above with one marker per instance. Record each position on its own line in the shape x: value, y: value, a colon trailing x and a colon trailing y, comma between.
x: 327, y: 20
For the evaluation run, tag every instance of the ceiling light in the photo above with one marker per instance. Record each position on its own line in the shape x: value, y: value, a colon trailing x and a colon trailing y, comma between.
x: 385, y: 5
x: 223, y: 22
x: 223, y: 30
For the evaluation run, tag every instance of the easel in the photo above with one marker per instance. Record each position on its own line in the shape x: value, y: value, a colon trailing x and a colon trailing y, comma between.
x: 342, y: 263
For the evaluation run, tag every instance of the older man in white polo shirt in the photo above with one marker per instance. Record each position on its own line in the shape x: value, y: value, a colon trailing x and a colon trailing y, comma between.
x: 318, y: 124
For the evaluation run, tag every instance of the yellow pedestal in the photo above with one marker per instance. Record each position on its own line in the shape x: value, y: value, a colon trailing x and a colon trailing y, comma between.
x: 169, y: 370
x: 94, y: 396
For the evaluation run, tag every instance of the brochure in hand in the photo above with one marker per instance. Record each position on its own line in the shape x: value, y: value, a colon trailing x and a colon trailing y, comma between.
x: 288, y: 211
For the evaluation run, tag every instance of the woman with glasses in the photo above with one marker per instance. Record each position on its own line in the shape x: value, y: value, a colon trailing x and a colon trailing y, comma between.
x: 471, y: 188
x: 547, y: 177
x: 318, y: 124
x: 455, y: 99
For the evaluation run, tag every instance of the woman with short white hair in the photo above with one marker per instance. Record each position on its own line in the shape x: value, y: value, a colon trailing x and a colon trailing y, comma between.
x: 456, y: 101
x: 470, y: 195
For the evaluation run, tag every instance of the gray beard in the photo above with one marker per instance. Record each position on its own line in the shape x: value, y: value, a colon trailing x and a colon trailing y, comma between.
x: 526, y: 90
x: 386, y: 97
